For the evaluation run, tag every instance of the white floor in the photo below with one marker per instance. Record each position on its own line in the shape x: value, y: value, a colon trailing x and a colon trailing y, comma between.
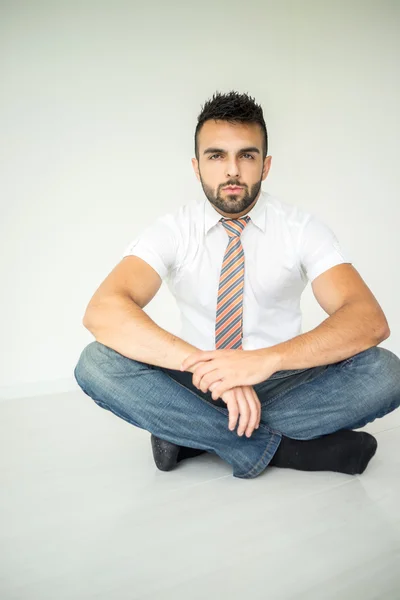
x: 86, y: 514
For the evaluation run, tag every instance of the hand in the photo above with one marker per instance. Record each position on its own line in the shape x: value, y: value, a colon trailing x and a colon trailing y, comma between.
x: 222, y: 370
x: 243, y: 400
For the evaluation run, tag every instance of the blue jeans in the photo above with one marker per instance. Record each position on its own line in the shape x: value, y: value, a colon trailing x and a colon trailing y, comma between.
x: 301, y: 404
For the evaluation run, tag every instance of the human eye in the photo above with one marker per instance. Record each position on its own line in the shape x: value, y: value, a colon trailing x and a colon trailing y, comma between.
x: 216, y: 154
x: 247, y: 154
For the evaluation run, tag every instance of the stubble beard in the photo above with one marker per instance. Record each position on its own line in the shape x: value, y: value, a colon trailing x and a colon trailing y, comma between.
x: 231, y: 203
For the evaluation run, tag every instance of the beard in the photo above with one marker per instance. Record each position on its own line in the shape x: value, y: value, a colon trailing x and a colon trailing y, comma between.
x: 231, y: 204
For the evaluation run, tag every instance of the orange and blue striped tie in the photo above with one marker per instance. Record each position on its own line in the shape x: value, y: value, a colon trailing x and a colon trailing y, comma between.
x: 229, y: 319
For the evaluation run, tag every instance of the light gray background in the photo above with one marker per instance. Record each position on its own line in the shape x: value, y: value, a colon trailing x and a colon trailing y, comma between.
x: 98, y: 107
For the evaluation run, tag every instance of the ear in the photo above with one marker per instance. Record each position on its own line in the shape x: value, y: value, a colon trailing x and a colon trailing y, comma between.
x: 195, y: 164
x: 267, y: 166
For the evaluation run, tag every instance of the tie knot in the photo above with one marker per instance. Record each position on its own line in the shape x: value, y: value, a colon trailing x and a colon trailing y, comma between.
x: 234, y: 227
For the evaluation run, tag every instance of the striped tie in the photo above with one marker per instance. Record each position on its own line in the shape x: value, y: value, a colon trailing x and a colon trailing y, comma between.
x: 229, y: 319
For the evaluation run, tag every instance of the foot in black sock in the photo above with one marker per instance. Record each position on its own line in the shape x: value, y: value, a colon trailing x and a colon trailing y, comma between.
x: 344, y: 451
x: 167, y: 455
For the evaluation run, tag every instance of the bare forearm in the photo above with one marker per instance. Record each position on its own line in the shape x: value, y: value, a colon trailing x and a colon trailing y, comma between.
x: 350, y: 330
x: 122, y: 325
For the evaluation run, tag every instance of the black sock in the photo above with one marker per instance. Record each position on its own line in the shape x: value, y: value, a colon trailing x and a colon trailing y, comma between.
x: 186, y: 452
x: 344, y: 451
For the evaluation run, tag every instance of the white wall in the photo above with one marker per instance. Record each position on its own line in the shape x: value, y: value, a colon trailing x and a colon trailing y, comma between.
x: 98, y: 108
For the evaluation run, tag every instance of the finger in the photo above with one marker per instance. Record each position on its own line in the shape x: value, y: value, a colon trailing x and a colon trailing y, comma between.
x: 253, y: 391
x: 196, y: 373
x: 209, y: 379
x: 244, y: 410
x: 221, y: 388
x: 192, y: 359
x: 200, y: 371
x: 213, y: 386
x: 233, y: 410
x: 253, y: 411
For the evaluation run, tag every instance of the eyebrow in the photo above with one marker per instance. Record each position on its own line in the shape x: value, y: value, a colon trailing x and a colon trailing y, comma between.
x: 221, y: 151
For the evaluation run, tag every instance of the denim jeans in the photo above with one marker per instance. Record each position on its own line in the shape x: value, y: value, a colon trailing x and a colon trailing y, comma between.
x: 299, y: 403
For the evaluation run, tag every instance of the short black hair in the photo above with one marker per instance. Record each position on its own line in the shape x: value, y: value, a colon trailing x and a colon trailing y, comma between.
x: 232, y: 107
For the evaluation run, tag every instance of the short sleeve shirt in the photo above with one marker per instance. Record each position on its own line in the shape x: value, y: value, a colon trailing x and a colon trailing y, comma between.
x: 284, y: 248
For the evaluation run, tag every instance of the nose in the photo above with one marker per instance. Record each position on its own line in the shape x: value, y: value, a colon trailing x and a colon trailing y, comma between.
x: 232, y: 169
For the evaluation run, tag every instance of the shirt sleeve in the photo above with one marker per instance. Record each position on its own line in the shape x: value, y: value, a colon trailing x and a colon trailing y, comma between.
x: 157, y: 245
x: 319, y: 248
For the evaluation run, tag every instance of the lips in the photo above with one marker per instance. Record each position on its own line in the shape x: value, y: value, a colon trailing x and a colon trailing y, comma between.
x: 234, y: 188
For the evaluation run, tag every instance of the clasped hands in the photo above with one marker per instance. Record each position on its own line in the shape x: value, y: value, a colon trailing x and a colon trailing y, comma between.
x: 230, y: 375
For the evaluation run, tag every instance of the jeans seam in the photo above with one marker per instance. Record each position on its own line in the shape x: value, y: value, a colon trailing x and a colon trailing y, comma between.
x: 254, y: 469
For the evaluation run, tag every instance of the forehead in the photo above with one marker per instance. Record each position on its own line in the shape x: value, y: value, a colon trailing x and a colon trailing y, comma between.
x: 223, y: 134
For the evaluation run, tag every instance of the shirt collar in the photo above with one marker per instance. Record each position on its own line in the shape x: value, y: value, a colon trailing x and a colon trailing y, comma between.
x: 257, y: 214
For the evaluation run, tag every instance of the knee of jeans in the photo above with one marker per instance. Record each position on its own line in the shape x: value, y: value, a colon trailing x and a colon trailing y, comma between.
x: 390, y: 373
x: 380, y: 386
x: 100, y: 364
x: 386, y: 368
x: 89, y: 364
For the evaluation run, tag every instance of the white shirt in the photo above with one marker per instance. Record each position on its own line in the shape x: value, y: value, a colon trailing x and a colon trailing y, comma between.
x: 284, y: 248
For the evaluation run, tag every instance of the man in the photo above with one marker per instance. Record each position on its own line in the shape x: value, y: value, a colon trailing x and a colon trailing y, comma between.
x: 237, y: 264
